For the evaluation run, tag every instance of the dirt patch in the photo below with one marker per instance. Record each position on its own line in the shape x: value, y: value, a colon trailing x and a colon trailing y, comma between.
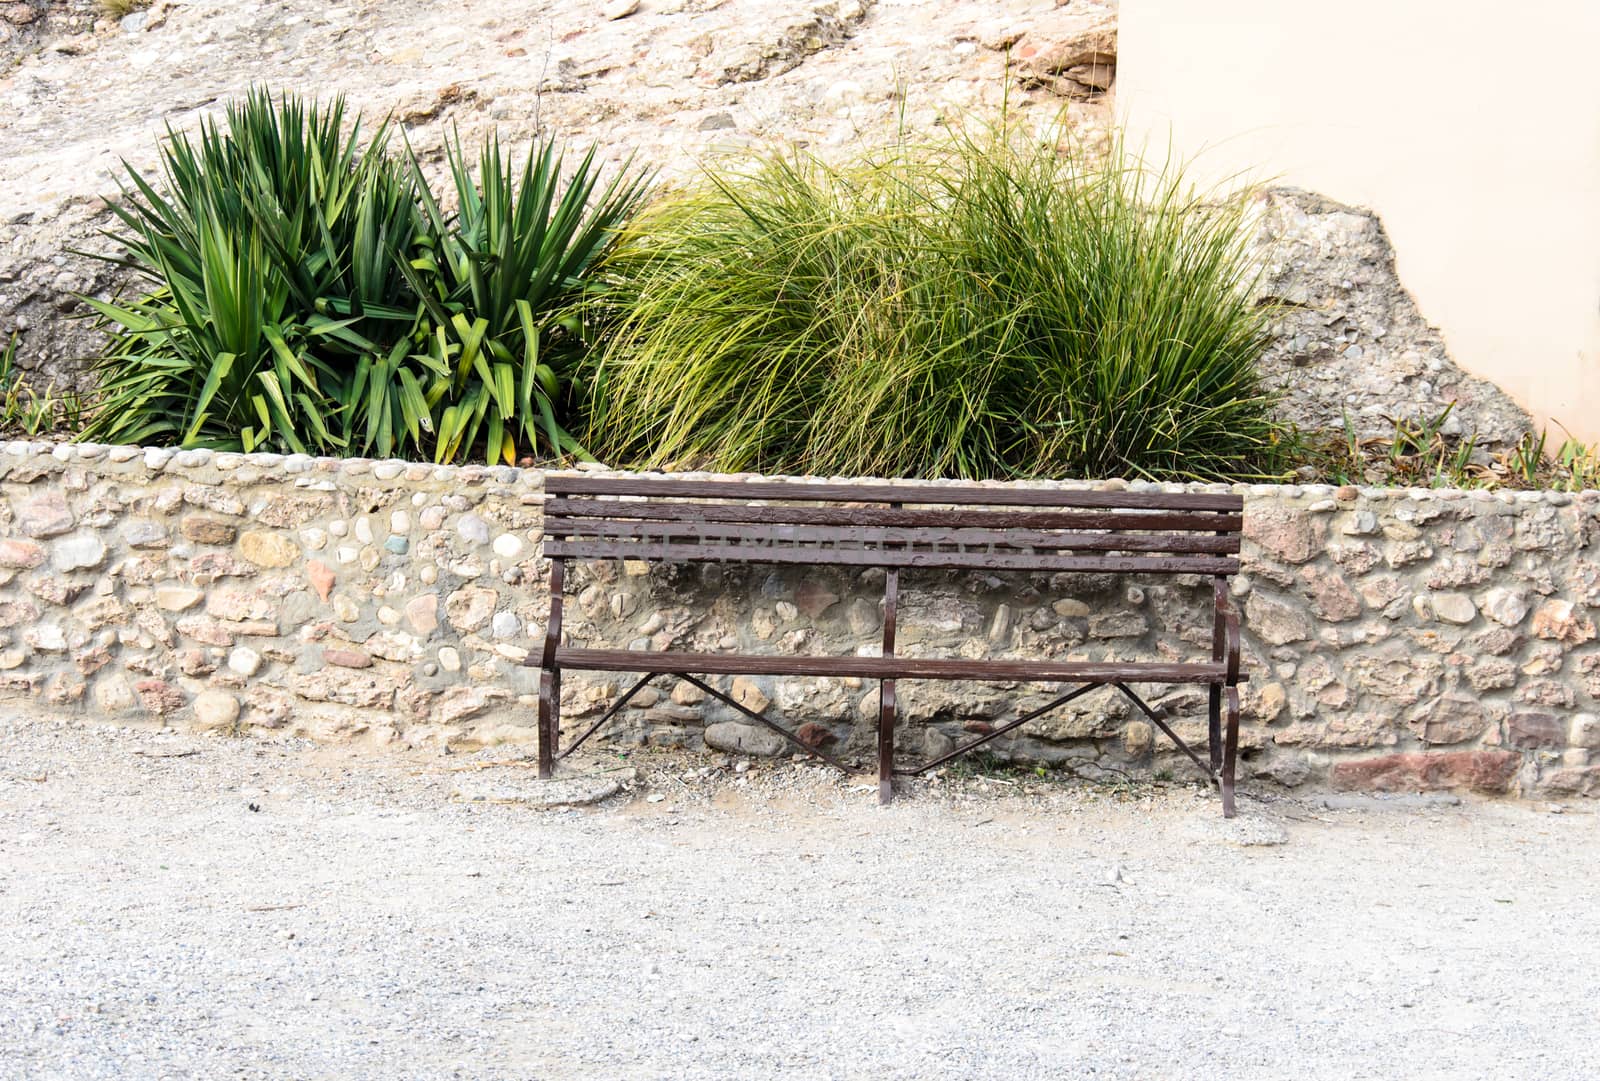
x: 189, y: 906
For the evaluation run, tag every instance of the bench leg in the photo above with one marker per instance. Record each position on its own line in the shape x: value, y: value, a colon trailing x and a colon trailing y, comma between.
x: 549, y: 719
x: 1230, y: 751
x: 1214, y: 728
x: 886, y: 711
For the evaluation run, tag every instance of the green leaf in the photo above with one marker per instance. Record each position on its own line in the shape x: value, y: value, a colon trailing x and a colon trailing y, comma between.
x: 314, y: 418
x: 505, y: 391
x: 219, y: 371
x: 414, y: 407
x: 470, y: 335
x: 451, y: 424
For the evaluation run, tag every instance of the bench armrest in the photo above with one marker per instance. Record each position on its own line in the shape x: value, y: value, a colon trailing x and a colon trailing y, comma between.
x: 1225, y: 644
x: 552, y: 635
x: 1232, y: 616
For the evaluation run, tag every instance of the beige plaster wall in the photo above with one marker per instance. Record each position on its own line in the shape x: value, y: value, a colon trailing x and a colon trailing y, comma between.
x: 1472, y: 128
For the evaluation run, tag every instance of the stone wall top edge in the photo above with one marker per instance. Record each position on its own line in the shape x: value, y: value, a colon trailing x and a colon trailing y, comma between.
x: 294, y: 467
x: 202, y: 464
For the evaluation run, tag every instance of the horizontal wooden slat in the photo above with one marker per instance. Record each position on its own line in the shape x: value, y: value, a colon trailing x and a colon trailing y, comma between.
x: 1000, y: 670
x: 657, y: 510
x: 966, y: 495
x: 871, y: 538
x: 888, y: 557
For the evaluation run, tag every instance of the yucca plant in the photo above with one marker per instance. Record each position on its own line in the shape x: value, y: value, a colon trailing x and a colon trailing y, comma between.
x: 304, y: 292
x: 986, y: 306
x: 276, y: 307
x: 500, y: 281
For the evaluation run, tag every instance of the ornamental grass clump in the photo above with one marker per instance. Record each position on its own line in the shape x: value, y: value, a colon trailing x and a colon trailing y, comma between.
x: 989, y: 307
x: 303, y: 292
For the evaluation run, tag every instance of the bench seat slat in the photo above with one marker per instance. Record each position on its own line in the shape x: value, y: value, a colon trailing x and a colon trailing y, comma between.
x: 994, y: 671
x: 817, y: 555
x: 943, y: 494
x: 577, y: 510
x: 914, y: 539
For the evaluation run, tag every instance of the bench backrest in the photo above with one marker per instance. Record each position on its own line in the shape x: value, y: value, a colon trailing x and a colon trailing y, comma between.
x: 884, y: 525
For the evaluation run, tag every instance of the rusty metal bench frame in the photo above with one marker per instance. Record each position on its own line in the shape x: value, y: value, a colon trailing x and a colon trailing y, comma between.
x: 665, y: 519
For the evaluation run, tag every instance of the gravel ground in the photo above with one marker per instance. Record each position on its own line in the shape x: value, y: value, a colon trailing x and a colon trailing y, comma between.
x: 188, y: 907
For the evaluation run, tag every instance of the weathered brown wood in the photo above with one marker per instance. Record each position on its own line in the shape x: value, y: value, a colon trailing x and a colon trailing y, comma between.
x: 560, y: 509
x: 867, y: 537
x: 994, y: 671
x: 549, y: 719
x: 888, y: 706
x: 1233, y: 645
x: 966, y: 495
x: 1219, y: 647
x: 1230, y: 749
x: 886, y: 557
x: 552, y: 638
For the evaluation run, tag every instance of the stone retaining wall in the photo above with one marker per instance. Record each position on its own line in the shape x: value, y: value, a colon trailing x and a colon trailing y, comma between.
x: 1395, y: 639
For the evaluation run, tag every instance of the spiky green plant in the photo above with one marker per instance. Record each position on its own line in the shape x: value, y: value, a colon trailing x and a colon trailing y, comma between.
x: 988, y: 306
x: 275, y: 307
x: 500, y: 281
x: 304, y: 292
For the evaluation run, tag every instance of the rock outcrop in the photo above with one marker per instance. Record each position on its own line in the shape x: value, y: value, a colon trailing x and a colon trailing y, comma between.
x: 675, y: 81
x: 1349, y: 342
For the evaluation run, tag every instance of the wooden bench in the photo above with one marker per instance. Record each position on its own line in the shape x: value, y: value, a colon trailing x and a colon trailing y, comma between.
x: 955, y: 526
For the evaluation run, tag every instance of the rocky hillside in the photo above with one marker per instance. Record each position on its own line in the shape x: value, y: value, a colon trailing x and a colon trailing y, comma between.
x: 675, y: 81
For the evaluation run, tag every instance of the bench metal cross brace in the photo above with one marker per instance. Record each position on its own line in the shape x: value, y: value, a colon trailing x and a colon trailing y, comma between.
x: 550, y: 690
x: 912, y: 771
x: 715, y: 693
x: 1046, y: 708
